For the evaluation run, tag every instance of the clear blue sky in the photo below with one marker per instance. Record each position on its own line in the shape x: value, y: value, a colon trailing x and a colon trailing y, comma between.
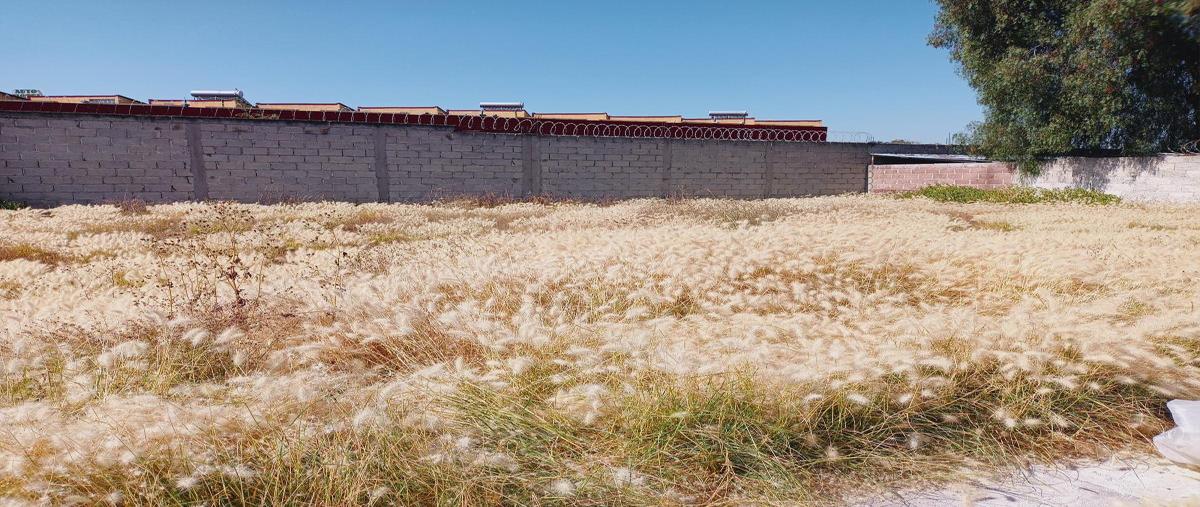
x: 860, y: 66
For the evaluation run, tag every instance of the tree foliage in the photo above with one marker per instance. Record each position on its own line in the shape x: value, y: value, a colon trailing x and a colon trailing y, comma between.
x: 1060, y: 76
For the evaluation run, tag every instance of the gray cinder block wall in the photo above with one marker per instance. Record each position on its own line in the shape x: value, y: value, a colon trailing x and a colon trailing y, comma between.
x: 1162, y: 178
x: 50, y: 159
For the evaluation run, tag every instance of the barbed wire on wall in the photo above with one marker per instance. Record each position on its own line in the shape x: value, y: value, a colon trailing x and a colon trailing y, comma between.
x: 552, y: 127
x: 1189, y: 148
x: 840, y: 136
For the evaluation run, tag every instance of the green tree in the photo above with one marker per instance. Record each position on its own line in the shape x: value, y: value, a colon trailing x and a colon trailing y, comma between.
x: 1056, y: 76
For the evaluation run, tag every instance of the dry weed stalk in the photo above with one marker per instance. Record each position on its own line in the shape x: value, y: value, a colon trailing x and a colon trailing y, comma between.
x: 648, y: 351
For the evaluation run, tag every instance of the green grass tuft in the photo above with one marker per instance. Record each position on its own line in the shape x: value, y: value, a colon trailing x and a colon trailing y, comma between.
x: 1011, y: 195
x: 12, y: 205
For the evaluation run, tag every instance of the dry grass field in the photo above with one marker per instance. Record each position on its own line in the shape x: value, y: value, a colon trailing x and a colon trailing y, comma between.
x: 643, y: 352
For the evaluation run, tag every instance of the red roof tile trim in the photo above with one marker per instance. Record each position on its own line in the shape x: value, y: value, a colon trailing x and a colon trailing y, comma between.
x: 541, y: 126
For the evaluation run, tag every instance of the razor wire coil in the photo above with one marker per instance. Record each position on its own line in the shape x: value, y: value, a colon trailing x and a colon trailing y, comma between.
x: 554, y: 127
x: 1189, y: 148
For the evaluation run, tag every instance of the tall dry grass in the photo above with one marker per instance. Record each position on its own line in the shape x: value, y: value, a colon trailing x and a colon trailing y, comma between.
x: 644, y: 352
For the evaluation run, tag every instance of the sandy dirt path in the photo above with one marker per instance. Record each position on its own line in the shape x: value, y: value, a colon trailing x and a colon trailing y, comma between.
x: 1123, y: 482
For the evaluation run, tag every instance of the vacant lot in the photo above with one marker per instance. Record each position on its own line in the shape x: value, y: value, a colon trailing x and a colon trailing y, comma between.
x: 650, y: 351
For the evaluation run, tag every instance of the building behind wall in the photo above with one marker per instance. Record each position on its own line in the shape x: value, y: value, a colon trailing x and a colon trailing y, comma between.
x: 403, y: 110
x: 85, y: 99
x: 234, y: 99
x: 304, y: 106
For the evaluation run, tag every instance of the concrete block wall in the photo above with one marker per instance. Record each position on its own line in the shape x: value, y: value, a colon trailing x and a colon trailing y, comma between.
x: 1164, y: 178
x: 48, y: 159
x: 905, y: 177
x: 709, y: 169
x: 593, y: 167
x: 430, y: 162
x: 625, y: 168
x: 818, y: 168
x: 265, y: 161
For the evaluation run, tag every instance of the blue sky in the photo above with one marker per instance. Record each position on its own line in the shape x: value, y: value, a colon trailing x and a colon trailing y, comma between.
x: 860, y: 66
